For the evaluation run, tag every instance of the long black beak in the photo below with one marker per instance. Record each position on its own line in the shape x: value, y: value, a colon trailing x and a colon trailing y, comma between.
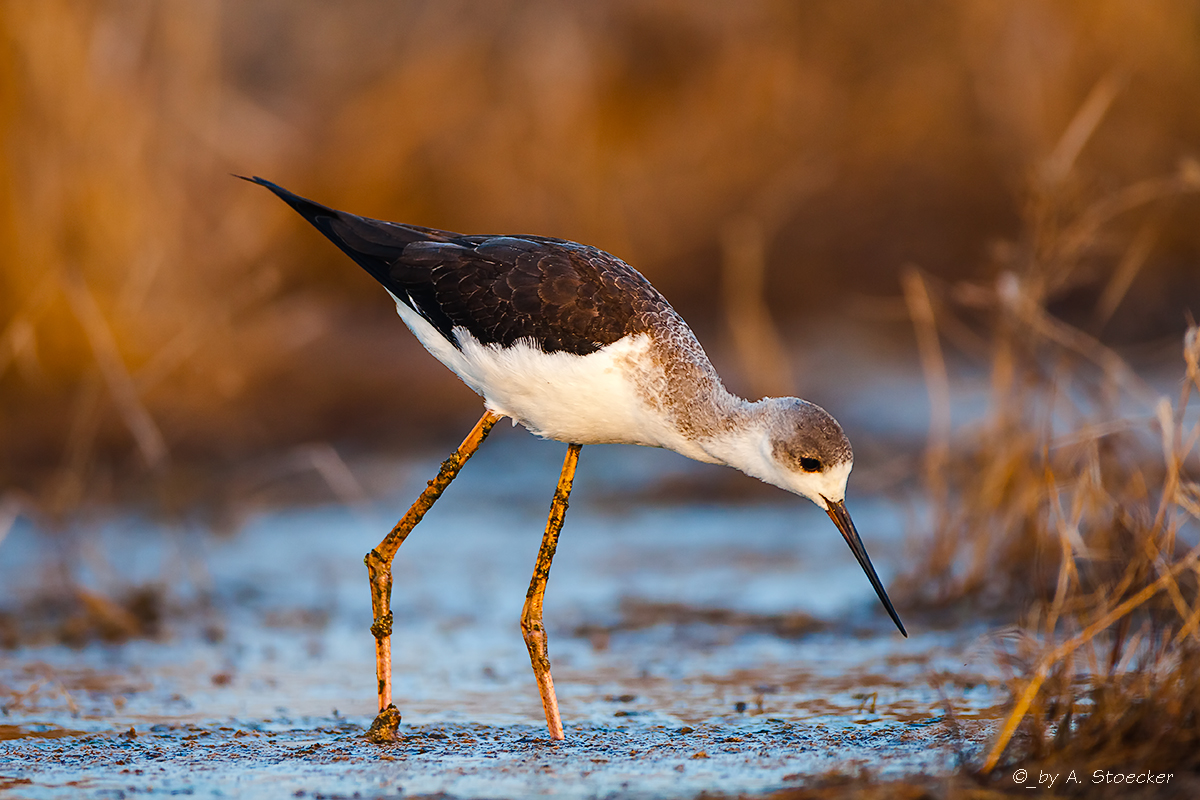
x: 841, y: 517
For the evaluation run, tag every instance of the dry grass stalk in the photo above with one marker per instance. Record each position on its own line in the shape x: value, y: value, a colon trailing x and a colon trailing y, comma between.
x: 116, y: 376
x: 1085, y: 502
x: 1072, y: 498
x: 933, y: 364
x: 1122, y: 278
x: 1128, y: 529
x: 1058, y: 165
x: 11, y: 506
x: 756, y: 337
x: 1068, y: 648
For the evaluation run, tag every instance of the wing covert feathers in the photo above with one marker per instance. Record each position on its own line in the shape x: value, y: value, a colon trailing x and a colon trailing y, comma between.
x: 560, y: 295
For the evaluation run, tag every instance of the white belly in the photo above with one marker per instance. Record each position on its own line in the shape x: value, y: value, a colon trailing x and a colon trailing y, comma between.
x: 590, y: 399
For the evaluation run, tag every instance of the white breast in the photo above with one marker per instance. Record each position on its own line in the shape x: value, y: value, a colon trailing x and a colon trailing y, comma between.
x: 589, y: 399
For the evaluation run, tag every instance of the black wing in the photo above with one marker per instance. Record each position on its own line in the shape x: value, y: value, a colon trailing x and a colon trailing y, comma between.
x: 560, y: 295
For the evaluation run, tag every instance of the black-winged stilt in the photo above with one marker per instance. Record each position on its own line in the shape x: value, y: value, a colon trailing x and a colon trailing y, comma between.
x: 577, y: 346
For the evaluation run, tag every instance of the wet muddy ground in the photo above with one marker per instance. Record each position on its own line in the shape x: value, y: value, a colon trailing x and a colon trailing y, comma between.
x: 720, y: 646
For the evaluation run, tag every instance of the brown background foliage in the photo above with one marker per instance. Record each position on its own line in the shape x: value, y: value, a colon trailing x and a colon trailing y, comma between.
x: 154, y: 311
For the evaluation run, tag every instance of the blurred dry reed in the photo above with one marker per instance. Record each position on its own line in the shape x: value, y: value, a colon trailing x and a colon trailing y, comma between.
x: 1074, y: 500
x: 156, y: 315
x: 113, y: 192
x: 756, y: 339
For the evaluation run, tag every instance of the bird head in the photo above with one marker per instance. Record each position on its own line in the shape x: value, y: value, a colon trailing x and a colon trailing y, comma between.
x: 807, y: 453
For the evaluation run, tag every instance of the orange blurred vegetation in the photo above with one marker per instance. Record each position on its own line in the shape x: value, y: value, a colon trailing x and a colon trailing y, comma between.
x: 156, y: 314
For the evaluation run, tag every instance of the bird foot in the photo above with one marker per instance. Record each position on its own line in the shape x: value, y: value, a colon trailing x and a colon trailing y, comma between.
x: 386, y: 727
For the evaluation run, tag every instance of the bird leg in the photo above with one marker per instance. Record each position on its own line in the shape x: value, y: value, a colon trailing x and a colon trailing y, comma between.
x: 379, y: 568
x: 531, y: 615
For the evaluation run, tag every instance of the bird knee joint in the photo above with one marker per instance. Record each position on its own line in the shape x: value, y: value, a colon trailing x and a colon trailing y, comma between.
x: 382, y: 627
x: 372, y: 559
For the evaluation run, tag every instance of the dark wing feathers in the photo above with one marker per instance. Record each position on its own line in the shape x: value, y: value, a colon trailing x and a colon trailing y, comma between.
x: 560, y: 295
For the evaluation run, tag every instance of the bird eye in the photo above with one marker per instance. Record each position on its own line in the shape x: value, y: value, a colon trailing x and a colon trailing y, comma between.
x: 810, y: 465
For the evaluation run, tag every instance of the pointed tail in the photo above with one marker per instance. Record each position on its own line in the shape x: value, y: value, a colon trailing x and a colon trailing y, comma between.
x: 373, y: 244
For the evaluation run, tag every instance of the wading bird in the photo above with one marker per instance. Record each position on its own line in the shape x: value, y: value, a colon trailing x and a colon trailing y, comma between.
x: 577, y: 346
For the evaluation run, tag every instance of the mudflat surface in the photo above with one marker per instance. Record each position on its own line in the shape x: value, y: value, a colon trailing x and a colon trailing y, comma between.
x: 719, y: 646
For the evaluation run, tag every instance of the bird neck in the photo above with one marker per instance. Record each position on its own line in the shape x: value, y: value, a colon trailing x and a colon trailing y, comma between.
x: 742, y: 440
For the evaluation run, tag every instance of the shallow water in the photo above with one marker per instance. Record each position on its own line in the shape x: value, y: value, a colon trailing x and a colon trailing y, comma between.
x: 727, y: 647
